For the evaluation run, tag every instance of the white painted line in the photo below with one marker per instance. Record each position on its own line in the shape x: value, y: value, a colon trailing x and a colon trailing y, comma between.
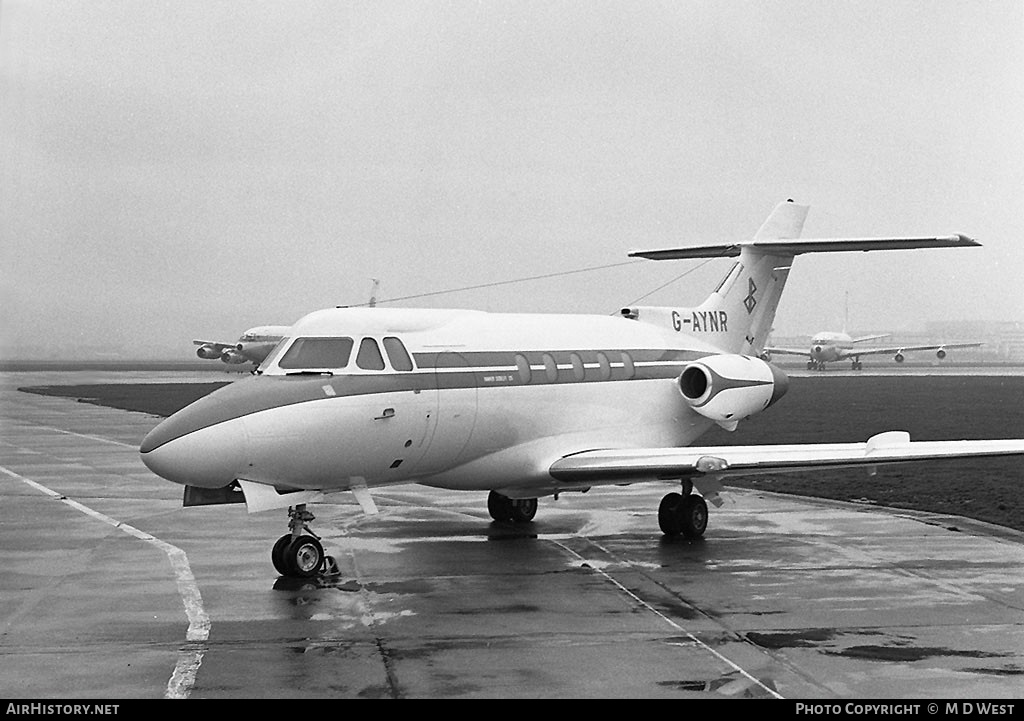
x: 669, y: 621
x: 190, y: 657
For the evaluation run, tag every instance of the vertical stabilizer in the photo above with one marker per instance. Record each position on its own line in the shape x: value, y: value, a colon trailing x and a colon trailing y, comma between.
x: 750, y: 294
x: 737, y: 317
x: 785, y: 223
x: 745, y: 302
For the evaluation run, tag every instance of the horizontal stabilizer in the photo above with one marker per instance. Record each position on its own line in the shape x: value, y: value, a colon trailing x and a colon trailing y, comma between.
x: 786, y: 247
x: 646, y: 464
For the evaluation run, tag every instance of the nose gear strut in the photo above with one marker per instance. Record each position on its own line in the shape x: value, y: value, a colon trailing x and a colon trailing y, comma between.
x: 299, y: 553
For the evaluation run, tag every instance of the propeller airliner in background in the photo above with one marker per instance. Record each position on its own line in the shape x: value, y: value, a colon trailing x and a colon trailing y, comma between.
x: 252, y: 347
x: 521, y: 405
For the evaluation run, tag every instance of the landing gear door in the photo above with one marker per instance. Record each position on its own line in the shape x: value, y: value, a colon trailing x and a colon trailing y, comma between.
x: 452, y: 429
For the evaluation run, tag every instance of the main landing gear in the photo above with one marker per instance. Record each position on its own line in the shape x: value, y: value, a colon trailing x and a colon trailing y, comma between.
x: 299, y: 554
x: 518, y: 510
x: 683, y: 513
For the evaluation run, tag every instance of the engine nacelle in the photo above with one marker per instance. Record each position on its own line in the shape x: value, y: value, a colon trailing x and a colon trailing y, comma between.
x: 729, y: 388
x: 899, y: 357
x: 233, y: 357
x: 207, y: 352
x: 941, y: 353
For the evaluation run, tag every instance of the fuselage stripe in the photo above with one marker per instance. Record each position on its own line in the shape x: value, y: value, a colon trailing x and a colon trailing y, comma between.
x: 434, y: 372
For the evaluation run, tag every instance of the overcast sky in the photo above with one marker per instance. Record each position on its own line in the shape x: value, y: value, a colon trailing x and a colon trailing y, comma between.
x: 179, y: 170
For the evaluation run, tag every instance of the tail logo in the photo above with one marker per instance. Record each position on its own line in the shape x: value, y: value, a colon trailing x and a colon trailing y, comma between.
x: 750, y: 302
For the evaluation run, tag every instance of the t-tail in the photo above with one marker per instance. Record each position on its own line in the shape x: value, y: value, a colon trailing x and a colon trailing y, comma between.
x: 737, y: 317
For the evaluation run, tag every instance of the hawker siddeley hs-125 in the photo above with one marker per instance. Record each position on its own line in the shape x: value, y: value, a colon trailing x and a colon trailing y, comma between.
x: 521, y: 405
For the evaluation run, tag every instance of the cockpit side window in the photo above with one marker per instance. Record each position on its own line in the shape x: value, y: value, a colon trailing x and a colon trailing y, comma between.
x: 314, y: 353
x: 397, y: 354
x: 369, y: 357
x: 274, y: 353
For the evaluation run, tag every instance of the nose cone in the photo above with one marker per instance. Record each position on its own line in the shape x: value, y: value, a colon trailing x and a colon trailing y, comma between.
x: 211, y: 457
x: 203, y: 444
x: 206, y: 444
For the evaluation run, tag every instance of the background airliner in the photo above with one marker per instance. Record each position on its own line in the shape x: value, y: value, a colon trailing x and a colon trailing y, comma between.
x: 829, y: 346
x: 522, y: 406
x: 252, y: 347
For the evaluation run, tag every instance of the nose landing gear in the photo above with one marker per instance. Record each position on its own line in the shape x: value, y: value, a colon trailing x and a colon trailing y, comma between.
x: 299, y: 554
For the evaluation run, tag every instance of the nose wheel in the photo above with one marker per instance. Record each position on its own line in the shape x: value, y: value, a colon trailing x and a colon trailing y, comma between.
x: 299, y: 554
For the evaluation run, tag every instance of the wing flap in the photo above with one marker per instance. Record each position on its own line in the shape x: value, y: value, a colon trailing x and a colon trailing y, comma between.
x: 625, y: 465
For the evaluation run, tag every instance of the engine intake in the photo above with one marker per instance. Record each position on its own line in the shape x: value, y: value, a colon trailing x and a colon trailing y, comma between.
x: 207, y: 352
x: 728, y: 388
x: 232, y: 357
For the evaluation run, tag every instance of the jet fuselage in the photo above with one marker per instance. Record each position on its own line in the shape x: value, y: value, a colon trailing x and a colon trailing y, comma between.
x: 455, y: 399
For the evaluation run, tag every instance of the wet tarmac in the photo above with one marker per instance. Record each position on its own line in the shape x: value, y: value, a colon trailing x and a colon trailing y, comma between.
x: 110, y: 589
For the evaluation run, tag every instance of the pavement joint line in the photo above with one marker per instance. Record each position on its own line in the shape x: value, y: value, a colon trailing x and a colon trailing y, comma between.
x: 189, y: 657
x: 672, y: 623
x: 86, y: 436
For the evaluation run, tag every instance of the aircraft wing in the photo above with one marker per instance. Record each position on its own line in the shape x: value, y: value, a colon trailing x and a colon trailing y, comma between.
x: 215, y: 344
x: 788, y: 351
x: 705, y: 466
x: 904, y: 348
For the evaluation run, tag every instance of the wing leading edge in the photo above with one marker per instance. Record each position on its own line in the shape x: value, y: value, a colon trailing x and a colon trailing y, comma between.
x: 627, y: 465
x: 215, y: 344
x: 903, y: 348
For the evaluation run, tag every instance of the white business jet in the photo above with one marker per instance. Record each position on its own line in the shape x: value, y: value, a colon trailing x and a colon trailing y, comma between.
x: 523, y: 406
x: 252, y: 346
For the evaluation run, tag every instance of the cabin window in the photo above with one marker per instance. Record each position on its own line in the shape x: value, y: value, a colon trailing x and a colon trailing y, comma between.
x: 550, y: 369
x: 604, y: 368
x: 523, y: 366
x: 312, y: 353
x: 628, y: 369
x: 577, y: 366
x: 369, y: 357
x: 397, y: 354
